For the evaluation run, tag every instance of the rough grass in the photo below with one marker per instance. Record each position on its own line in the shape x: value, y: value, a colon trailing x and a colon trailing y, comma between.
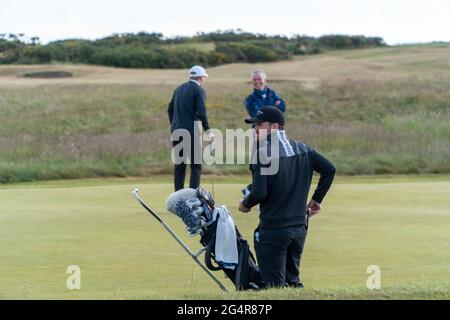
x: 400, y: 223
x: 374, y: 111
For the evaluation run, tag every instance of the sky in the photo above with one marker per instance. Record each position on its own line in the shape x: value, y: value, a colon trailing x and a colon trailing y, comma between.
x: 397, y: 21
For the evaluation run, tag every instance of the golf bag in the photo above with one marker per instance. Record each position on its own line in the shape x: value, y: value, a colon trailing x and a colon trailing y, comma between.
x: 197, y: 209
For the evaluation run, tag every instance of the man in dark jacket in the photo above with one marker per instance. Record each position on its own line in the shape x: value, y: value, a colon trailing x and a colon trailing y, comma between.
x: 186, y: 108
x: 262, y: 95
x: 282, y: 196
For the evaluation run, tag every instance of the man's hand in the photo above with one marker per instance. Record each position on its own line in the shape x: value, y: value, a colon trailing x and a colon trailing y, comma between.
x: 242, y: 208
x: 277, y: 103
x: 211, y: 136
x: 313, y: 208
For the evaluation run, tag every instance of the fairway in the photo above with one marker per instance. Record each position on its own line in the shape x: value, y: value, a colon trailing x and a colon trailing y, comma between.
x: 337, y: 134
x: 399, y: 223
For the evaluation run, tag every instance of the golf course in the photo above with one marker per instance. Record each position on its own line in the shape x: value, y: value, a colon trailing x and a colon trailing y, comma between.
x: 72, y: 149
x: 399, y: 223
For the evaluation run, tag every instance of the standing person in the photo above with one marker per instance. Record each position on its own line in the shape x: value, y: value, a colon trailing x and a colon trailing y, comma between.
x: 186, y: 107
x: 282, y: 196
x: 262, y: 95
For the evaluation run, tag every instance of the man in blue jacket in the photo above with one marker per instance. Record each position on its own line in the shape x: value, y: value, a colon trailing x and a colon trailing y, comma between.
x: 262, y: 95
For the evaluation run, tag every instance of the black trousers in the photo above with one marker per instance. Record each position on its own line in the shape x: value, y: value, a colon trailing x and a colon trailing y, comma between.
x: 179, y: 172
x: 279, y: 252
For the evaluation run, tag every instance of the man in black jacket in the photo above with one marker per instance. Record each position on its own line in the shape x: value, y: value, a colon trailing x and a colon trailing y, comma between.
x: 282, y: 196
x: 186, y: 108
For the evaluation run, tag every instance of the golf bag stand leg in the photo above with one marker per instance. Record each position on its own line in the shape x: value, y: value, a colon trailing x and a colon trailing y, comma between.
x: 194, y: 256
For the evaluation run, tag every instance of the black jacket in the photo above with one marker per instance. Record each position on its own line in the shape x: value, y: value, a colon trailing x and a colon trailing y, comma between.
x: 283, y: 195
x: 188, y: 105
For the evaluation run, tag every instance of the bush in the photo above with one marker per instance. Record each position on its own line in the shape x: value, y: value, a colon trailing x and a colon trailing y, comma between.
x: 78, y: 51
x: 187, y: 57
x: 151, y: 50
x: 346, y: 42
x: 125, y: 57
x: 36, y: 54
x: 243, y: 52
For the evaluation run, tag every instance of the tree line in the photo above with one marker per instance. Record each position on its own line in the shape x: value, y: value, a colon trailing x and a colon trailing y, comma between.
x: 153, y: 50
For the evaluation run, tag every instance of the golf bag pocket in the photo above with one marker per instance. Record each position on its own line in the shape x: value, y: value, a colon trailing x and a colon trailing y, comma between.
x: 246, y: 274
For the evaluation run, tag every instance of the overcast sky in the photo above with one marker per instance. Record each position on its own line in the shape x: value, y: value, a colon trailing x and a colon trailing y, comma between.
x: 397, y: 21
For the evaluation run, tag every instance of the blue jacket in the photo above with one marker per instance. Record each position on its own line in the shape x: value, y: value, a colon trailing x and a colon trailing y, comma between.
x: 258, y: 99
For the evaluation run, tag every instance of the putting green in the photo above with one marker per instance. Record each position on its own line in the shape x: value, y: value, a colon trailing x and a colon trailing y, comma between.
x: 401, y: 224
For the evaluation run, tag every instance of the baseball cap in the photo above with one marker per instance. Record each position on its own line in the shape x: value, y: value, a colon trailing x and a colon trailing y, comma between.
x: 268, y: 114
x: 198, y: 71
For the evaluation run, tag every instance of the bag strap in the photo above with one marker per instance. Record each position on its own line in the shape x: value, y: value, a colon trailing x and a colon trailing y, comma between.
x: 242, y: 276
x: 209, y: 256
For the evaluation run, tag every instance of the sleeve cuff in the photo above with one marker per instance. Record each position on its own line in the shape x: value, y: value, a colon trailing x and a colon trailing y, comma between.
x: 317, y: 198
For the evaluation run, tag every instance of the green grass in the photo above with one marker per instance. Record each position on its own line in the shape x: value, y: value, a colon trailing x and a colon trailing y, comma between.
x: 371, y: 111
x: 400, y: 223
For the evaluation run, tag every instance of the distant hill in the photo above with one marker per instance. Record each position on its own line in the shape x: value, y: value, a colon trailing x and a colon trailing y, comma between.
x: 153, y: 50
x: 370, y: 111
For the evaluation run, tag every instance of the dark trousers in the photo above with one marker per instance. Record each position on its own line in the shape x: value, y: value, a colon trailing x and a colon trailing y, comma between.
x: 279, y: 253
x: 179, y: 172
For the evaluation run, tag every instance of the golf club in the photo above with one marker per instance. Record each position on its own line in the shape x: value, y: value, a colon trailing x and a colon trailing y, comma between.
x: 211, y: 153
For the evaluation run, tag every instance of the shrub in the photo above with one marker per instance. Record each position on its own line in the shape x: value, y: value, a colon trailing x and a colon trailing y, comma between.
x: 152, y: 50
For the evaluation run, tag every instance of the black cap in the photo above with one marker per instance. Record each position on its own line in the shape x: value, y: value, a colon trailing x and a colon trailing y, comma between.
x: 268, y: 114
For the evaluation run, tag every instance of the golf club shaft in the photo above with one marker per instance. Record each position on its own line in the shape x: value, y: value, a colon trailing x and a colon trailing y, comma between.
x: 211, y: 149
x: 174, y: 235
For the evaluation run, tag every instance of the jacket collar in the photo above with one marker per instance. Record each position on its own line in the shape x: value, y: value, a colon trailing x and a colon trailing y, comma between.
x: 192, y: 80
x: 261, y: 92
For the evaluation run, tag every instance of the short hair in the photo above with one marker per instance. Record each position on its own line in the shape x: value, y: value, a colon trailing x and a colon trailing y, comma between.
x: 260, y: 72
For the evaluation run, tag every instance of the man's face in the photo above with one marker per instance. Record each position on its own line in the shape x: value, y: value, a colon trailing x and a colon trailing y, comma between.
x: 201, y: 80
x: 258, y: 82
x: 263, y: 129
